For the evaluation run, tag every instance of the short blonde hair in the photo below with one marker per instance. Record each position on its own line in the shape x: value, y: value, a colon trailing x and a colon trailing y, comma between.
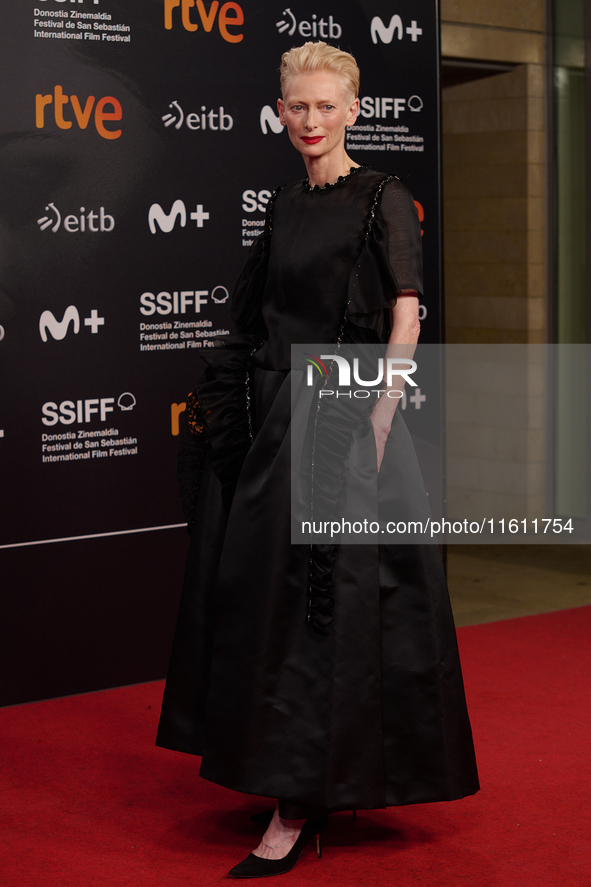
x: 319, y: 56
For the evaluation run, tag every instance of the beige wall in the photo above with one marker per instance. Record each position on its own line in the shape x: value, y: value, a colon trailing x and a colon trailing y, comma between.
x: 493, y: 30
x: 496, y: 432
x: 494, y: 174
x: 494, y: 224
x: 494, y: 208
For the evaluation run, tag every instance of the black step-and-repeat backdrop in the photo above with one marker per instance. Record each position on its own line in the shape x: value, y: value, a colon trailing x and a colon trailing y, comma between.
x: 140, y: 145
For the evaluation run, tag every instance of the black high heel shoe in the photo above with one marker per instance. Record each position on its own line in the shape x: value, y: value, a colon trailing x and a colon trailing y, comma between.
x: 257, y: 867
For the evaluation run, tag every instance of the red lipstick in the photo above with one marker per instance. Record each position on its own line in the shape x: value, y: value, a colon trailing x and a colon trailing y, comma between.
x: 312, y: 140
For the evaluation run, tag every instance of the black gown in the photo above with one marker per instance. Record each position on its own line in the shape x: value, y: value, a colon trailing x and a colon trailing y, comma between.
x: 369, y: 712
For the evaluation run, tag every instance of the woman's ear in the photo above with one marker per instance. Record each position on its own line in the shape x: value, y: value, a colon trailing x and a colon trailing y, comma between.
x: 353, y: 112
x: 281, y: 109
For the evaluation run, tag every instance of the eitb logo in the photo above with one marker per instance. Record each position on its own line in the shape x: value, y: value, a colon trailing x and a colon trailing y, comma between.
x: 213, y: 119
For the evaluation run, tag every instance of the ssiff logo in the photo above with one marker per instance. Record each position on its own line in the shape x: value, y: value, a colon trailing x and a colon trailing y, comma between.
x: 385, y: 33
x: 230, y: 15
x: 253, y: 201
x: 386, y: 106
x: 315, y: 28
x: 178, y: 301
x: 216, y: 120
x: 166, y: 221
x: 84, y: 411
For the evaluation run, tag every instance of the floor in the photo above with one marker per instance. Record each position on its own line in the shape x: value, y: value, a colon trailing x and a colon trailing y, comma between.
x: 491, y: 582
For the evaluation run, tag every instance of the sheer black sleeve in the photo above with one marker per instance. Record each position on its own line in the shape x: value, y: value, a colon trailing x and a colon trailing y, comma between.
x: 390, y: 260
x: 400, y: 216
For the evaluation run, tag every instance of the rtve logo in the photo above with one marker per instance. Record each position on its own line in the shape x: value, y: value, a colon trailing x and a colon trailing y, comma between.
x: 94, y: 222
x: 58, y: 329
x: 316, y: 28
x: 84, y: 411
x: 82, y: 115
x: 385, y: 33
x: 166, y: 221
x: 230, y: 16
x: 216, y: 120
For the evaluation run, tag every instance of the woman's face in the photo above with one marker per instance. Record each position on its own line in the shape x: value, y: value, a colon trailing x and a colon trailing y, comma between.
x: 316, y: 109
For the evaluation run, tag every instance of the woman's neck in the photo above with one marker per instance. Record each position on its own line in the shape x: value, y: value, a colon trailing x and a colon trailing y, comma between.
x: 323, y: 170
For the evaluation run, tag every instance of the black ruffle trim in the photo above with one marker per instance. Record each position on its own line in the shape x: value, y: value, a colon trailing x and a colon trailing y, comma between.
x: 332, y: 427
x: 328, y: 186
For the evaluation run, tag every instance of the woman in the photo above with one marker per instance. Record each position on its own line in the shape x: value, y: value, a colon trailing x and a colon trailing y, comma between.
x: 327, y: 678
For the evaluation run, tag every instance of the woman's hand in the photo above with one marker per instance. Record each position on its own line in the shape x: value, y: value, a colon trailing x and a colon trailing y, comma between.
x: 405, y: 332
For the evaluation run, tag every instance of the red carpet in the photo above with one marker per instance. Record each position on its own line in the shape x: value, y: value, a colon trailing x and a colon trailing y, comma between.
x: 86, y: 798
